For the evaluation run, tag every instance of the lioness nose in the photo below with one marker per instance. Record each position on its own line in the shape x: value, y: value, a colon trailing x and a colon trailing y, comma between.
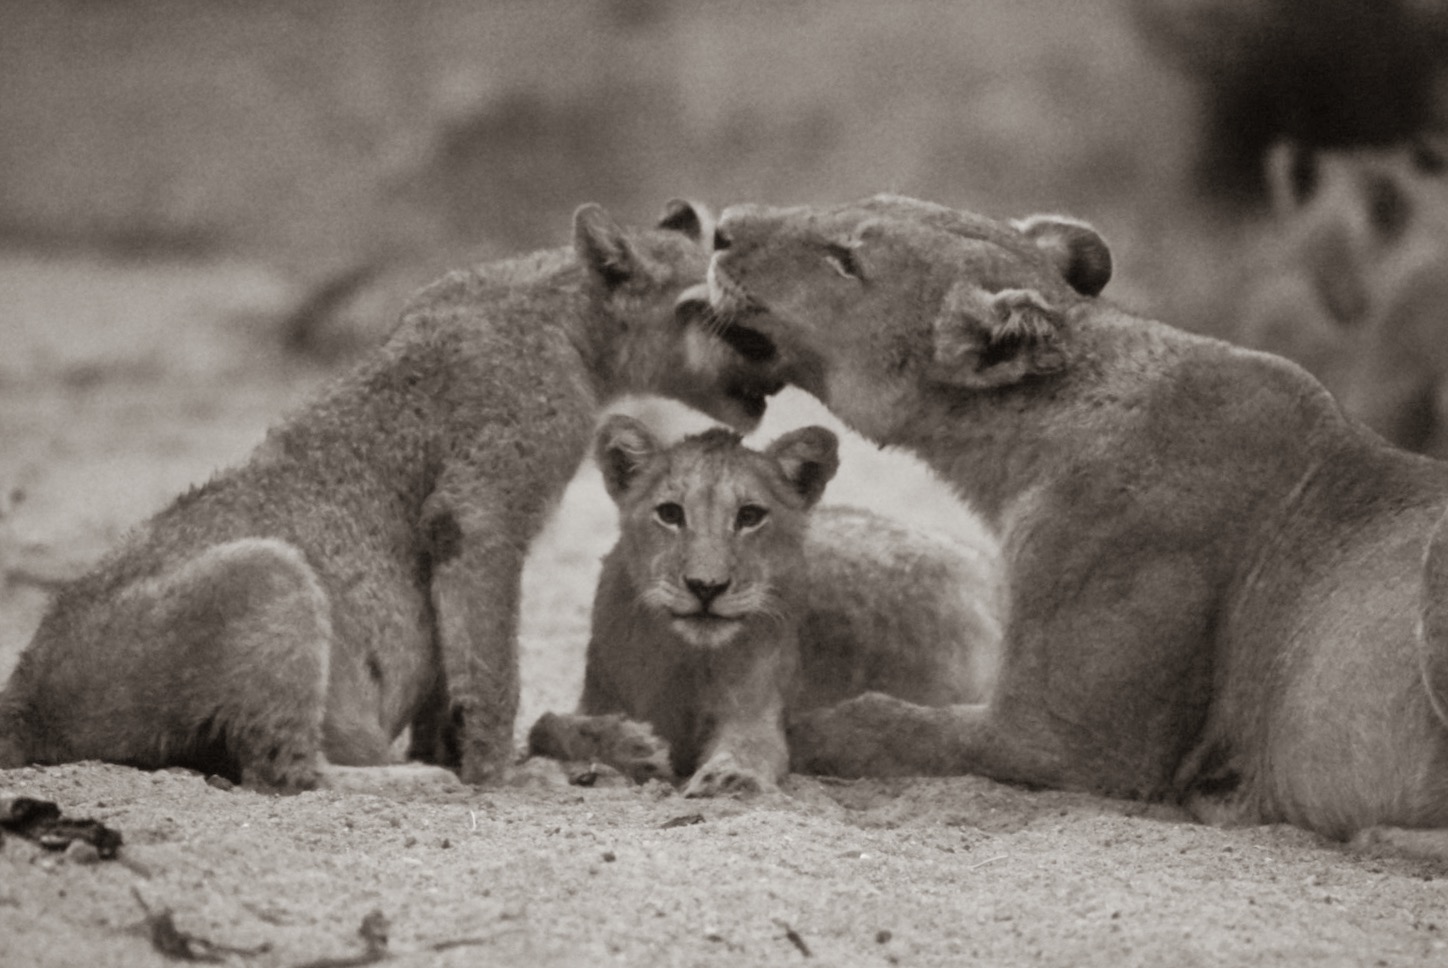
x: 706, y: 591
x: 722, y: 240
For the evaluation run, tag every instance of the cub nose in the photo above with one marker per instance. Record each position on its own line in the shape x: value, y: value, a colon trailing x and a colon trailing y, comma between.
x: 722, y: 239
x: 706, y: 591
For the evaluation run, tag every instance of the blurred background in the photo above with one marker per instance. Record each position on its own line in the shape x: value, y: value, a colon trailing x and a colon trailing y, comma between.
x: 366, y: 144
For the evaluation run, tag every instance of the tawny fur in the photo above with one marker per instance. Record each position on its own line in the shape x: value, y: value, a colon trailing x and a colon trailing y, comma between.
x: 829, y: 604
x: 1353, y: 283
x: 360, y: 572
x: 1214, y: 579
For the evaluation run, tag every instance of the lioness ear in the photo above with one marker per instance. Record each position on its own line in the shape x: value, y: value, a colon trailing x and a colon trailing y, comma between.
x: 691, y: 218
x: 808, y: 459
x: 984, y: 339
x: 601, y: 246
x: 1079, y: 253
x: 622, y: 447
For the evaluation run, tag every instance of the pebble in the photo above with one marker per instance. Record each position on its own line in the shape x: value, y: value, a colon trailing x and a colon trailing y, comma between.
x: 81, y: 852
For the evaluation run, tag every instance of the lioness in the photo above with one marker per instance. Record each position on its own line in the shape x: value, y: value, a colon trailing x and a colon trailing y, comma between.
x: 360, y: 572
x: 1354, y: 283
x: 1215, y: 579
x: 727, y: 605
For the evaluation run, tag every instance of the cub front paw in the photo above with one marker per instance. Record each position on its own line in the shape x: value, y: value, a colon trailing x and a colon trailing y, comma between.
x: 636, y: 751
x: 723, y: 774
x: 627, y: 745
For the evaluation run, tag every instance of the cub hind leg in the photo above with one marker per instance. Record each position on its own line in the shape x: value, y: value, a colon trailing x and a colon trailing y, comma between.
x: 219, y: 663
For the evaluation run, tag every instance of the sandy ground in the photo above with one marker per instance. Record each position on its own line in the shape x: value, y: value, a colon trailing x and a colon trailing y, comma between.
x: 120, y: 385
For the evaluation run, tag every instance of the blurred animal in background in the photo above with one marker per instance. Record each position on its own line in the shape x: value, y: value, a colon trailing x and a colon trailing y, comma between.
x: 727, y: 606
x: 1322, y: 73
x: 360, y: 573
x: 1353, y: 282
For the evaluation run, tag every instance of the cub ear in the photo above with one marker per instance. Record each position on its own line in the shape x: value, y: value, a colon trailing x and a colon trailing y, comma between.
x: 1078, y: 252
x: 691, y: 218
x: 601, y: 246
x: 984, y: 339
x: 808, y: 459
x: 623, y: 446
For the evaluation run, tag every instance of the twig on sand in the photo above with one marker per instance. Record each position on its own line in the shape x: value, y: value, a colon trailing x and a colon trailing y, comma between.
x: 687, y: 820
x: 794, y: 938
x: 172, y: 942
x: 374, y: 934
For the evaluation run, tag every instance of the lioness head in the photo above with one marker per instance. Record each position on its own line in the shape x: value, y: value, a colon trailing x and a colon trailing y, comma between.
x: 711, y: 530
x: 867, y: 303
x: 643, y: 277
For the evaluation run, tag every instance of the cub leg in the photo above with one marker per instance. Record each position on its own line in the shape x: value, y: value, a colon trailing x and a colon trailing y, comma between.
x: 476, y: 588
x: 219, y: 663
x: 742, y: 718
x: 629, y: 746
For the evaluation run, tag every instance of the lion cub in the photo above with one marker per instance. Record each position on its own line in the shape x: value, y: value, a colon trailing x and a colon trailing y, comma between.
x: 360, y: 572
x: 727, y: 606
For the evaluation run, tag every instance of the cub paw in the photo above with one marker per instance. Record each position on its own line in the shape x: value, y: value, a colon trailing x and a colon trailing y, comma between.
x: 634, y: 750
x: 724, y: 774
x: 627, y: 745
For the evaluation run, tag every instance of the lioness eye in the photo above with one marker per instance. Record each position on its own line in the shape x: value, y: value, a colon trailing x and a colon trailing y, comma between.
x: 842, y: 259
x: 750, y: 516
x: 670, y: 514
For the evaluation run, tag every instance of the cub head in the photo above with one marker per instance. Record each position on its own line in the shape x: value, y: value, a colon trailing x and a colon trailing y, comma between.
x: 640, y: 278
x: 871, y: 304
x: 711, y: 530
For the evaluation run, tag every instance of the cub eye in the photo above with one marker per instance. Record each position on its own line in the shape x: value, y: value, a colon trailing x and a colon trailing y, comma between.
x: 841, y: 258
x: 670, y: 514
x: 750, y: 516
